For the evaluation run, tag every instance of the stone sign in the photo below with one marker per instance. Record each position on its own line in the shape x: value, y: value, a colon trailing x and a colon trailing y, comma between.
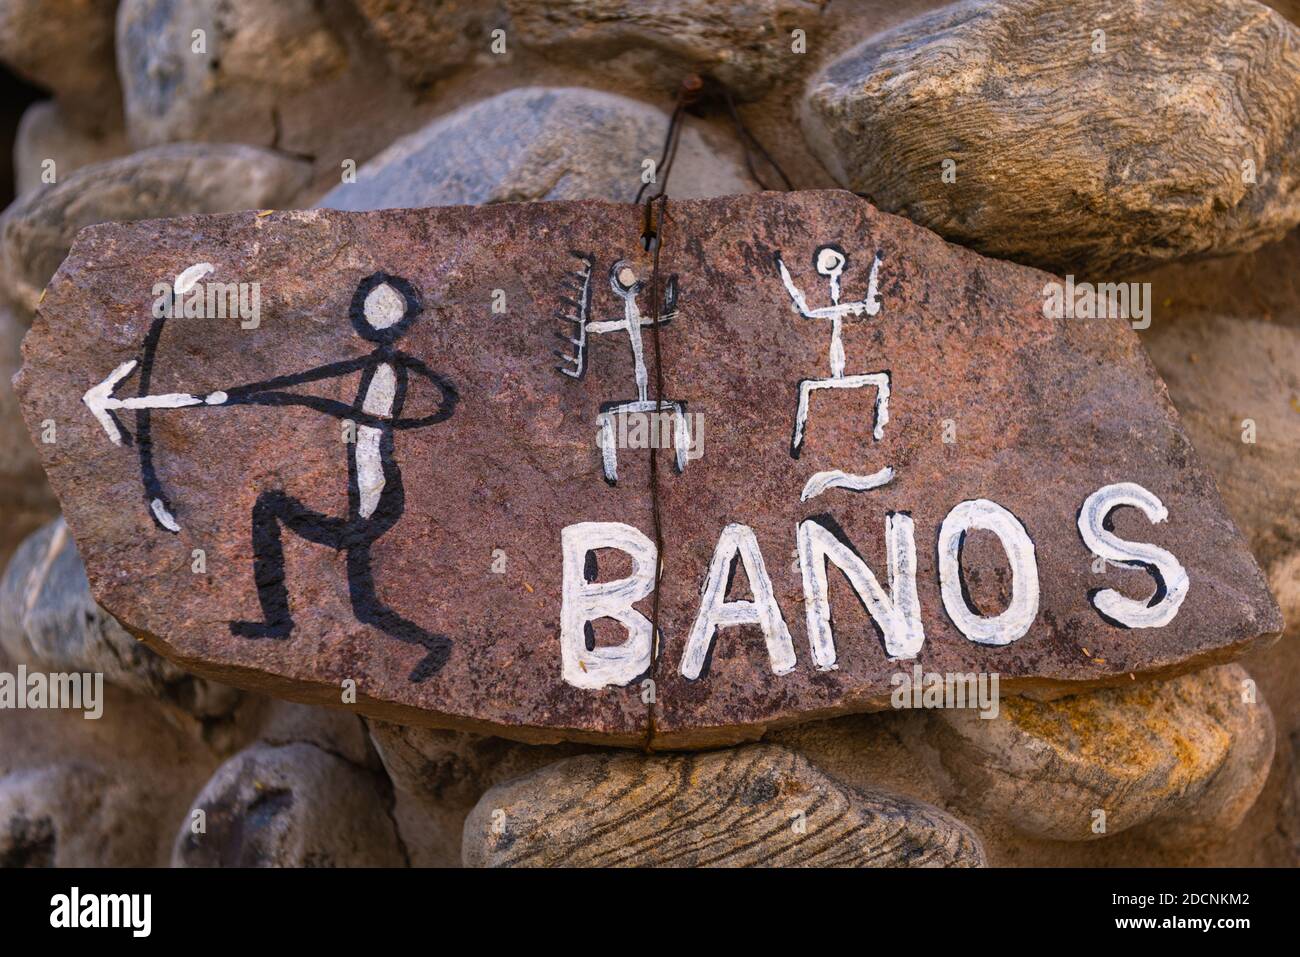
x: 404, y: 459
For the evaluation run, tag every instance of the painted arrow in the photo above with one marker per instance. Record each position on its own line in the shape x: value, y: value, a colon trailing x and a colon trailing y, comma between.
x: 100, y: 400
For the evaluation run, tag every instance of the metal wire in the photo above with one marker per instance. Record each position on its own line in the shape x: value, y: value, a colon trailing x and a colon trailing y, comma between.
x: 652, y: 235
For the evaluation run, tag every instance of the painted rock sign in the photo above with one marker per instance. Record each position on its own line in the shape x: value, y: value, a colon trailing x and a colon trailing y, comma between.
x: 315, y: 451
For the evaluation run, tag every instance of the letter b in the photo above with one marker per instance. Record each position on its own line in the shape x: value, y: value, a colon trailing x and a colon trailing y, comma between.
x: 585, y: 601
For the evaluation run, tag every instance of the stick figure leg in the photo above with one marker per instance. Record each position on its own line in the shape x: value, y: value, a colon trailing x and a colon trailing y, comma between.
x: 681, y: 435
x: 801, y: 417
x: 608, y: 446
x: 371, y: 611
x: 273, y: 509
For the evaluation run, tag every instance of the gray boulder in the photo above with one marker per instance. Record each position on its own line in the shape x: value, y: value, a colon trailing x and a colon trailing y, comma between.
x: 293, y: 805
x: 37, y: 230
x: 73, y: 815
x: 537, y: 143
x: 48, y: 619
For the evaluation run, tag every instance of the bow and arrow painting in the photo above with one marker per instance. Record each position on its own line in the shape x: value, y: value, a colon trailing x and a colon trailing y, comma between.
x: 383, y: 309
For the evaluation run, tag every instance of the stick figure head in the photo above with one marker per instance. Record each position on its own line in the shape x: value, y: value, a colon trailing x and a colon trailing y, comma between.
x: 623, y: 280
x: 383, y: 307
x: 830, y: 260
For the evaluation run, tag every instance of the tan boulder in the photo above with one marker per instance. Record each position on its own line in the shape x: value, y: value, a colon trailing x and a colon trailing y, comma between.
x: 747, y: 46
x: 1075, y: 136
x: 440, y: 775
x: 66, y: 46
x: 46, y: 136
x: 1191, y: 753
x: 759, y: 805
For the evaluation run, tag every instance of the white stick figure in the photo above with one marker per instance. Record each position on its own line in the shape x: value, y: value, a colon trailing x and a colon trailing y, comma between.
x: 830, y: 261
x: 626, y: 286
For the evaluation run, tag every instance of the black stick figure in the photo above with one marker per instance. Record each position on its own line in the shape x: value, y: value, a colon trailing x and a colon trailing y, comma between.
x: 383, y: 308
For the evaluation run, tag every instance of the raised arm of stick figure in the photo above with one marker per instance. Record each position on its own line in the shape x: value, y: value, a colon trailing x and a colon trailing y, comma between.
x: 668, y: 310
x: 628, y: 287
x: 830, y: 261
x: 448, y: 396
x: 795, y: 293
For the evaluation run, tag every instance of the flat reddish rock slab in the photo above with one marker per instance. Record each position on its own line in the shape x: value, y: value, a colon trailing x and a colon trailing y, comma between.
x: 445, y: 592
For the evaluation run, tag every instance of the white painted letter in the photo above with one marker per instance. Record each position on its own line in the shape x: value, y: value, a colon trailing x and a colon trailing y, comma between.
x: 1020, y: 613
x: 716, y: 611
x: 584, y: 601
x: 898, y: 617
x: 1171, y: 578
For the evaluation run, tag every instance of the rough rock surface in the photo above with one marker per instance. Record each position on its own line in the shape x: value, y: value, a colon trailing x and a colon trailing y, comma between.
x: 440, y: 775
x: 49, y: 619
x: 297, y: 76
x: 106, y: 792
x: 253, y: 62
x: 1234, y: 380
x: 131, y: 756
x: 754, y: 806
x: 66, y: 815
x: 1189, y: 754
x: 293, y: 805
x: 963, y: 336
x: 45, y: 134
x: 537, y: 143
x: 340, y: 731
x: 1067, y: 157
x: 747, y: 46
x: 37, y: 230
x: 65, y: 46
x: 1262, y: 285
x: 868, y: 751
x: 26, y: 500
x: 427, y: 39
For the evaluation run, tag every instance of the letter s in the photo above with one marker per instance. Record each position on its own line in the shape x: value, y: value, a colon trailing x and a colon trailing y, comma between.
x: 1171, y: 578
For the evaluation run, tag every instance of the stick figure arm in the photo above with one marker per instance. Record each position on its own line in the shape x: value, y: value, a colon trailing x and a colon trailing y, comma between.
x: 328, y: 371
x: 668, y: 308
x: 840, y: 311
x: 447, y: 392
x: 795, y: 293
x: 340, y: 410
